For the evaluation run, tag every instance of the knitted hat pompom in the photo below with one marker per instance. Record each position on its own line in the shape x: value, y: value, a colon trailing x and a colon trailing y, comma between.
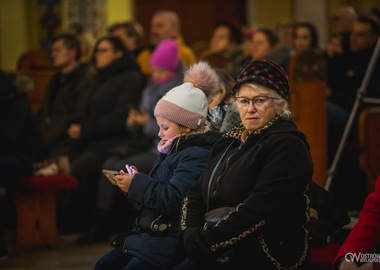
x: 203, y: 77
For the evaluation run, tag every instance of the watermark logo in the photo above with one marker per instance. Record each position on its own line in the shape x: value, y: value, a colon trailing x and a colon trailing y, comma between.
x: 362, y: 257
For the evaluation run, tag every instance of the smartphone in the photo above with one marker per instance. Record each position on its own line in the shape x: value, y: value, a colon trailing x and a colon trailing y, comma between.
x: 111, y: 176
x: 129, y: 169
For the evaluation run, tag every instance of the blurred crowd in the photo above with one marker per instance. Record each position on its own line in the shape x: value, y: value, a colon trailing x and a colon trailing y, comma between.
x: 98, y: 108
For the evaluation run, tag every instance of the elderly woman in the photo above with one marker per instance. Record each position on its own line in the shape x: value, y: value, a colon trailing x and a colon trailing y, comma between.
x: 249, y: 208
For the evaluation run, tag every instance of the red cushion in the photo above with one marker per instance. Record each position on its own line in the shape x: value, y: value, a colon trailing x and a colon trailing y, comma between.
x: 323, y: 257
x: 40, y: 182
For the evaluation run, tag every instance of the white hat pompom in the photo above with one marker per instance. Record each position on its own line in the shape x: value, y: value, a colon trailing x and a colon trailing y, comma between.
x: 203, y: 77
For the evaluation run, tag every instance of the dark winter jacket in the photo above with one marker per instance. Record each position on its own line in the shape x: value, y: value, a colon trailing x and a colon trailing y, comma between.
x: 63, y: 102
x: 117, y: 89
x: 160, y: 194
x: 265, y: 180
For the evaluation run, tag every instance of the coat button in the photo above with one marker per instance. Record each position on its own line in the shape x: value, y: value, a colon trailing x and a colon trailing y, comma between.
x: 163, y: 227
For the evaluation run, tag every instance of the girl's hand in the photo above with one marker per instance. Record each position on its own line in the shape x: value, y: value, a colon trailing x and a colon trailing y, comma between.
x: 124, y: 179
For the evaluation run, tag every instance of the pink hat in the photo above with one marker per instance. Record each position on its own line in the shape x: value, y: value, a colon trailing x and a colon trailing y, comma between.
x: 165, y: 55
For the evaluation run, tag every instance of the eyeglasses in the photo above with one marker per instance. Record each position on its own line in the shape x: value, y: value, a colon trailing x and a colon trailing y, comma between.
x: 257, y: 101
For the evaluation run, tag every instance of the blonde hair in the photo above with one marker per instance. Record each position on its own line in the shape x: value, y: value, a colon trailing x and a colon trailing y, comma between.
x: 183, y: 134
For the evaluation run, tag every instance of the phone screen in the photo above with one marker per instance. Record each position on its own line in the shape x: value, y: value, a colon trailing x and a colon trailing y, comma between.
x: 111, y: 176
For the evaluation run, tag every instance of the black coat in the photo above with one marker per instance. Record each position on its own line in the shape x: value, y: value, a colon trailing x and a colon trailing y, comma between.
x: 117, y: 89
x: 265, y: 179
x: 20, y: 137
x: 160, y: 195
x: 63, y: 102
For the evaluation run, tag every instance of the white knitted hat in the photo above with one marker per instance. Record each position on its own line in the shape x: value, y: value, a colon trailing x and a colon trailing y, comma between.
x: 187, y: 104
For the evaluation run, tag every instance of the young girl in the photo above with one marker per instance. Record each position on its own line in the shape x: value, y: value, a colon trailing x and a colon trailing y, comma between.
x: 184, y: 148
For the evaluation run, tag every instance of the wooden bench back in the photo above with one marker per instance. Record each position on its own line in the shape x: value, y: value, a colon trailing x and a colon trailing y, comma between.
x: 36, y: 65
x: 308, y: 95
x: 369, y: 140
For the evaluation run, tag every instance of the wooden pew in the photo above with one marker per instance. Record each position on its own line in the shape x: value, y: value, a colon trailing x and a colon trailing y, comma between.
x: 36, y: 209
x: 369, y: 141
x: 36, y: 65
x: 308, y: 95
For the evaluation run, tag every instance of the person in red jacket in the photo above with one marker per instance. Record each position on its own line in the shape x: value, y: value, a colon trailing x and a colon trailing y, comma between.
x: 361, y: 250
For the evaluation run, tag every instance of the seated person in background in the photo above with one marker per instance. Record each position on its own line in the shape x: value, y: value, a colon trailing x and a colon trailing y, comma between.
x: 226, y: 40
x: 219, y: 61
x: 185, y: 146
x: 247, y: 45
x: 345, y: 75
x: 364, y: 239
x: 346, y: 71
x: 285, y: 47
x: 130, y: 33
x: 66, y: 91
x: 341, y: 21
x: 116, y: 89
x: 285, y: 33
x: 256, y: 181
x: 165, y: 24
x: 265, y: 44
x: 305, y: 38
x: 86, y: 39
x: 21, y: 145
x: 223, y: 113
x: 335, y: 46
x: 139, y: 149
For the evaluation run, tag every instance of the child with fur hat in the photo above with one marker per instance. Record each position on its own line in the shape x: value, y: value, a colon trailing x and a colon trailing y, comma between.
x: 184, y: 149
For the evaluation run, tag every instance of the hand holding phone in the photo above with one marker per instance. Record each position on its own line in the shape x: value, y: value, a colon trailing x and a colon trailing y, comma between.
x: 125, y: 178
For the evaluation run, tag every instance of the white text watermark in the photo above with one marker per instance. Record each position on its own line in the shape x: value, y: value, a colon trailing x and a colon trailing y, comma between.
x: 362, y: 257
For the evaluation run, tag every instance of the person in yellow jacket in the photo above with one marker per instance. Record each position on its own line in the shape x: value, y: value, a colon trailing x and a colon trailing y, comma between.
x: 165, y: 24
